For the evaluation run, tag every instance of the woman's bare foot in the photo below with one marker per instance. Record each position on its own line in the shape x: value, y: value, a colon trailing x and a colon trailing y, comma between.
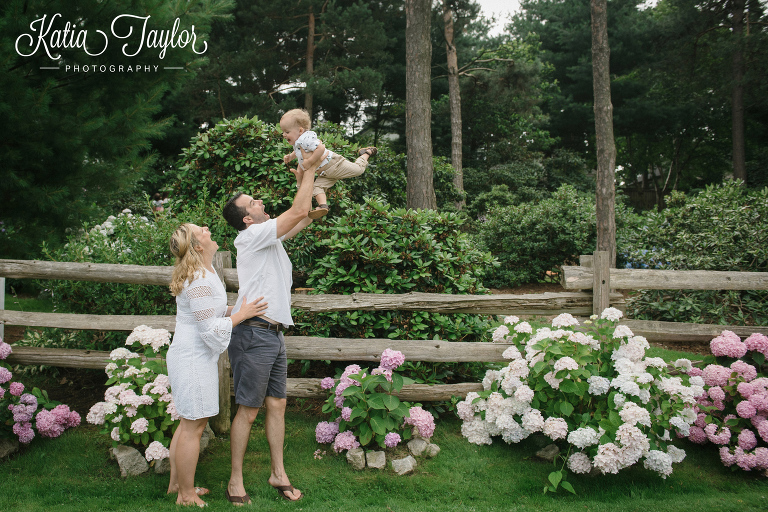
x: 194, y: 502
x: 200, y: 491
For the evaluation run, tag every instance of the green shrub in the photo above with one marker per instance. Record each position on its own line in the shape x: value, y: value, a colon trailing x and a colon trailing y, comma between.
x: 385, y: 179
x: 373, y: 249
x: 246, y: 155
x: 124, y: 239
x: 724, y: 227
x: 530, y: 239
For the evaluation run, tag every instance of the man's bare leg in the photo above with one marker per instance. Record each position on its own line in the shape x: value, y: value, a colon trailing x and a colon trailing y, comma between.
x: 275, y: 431
x: 238, y: 439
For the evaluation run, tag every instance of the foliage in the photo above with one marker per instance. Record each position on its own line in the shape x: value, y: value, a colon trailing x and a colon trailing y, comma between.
x: 138, y: 406
x: 385, y: 179
x: 721, y: 228
x: 531, y: 239
x: 733, y: 408
x: 364, y: 408
x: 123, y: 239
x: 375, y: 249
x: 592, y: 388
x: 21, y: 414
x: 80, y: 135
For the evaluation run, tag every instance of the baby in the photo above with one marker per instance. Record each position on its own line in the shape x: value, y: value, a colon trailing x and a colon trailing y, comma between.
x: 295, y: 125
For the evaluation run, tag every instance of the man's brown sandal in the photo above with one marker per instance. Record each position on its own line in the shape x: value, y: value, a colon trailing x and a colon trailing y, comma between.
x: 237, y: 500
x: 371, y: 151
x: 283, y: 491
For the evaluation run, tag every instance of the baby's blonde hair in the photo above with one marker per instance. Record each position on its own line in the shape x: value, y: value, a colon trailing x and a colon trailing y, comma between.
x: 188, y: 260
x: 299, y: 116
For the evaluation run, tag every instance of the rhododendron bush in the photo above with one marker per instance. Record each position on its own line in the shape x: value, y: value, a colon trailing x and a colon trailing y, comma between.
x: 138, y: 407
x: 22, y: 412
x: 364, y: 410
x: 588, y: 387
x: 733, y: 409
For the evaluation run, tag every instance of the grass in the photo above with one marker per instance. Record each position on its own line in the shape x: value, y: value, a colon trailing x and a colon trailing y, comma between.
x: 28, y: 304
x: 74, y: 473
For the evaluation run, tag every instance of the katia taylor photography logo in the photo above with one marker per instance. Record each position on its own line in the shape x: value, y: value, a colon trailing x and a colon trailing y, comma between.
x: 50, y: 34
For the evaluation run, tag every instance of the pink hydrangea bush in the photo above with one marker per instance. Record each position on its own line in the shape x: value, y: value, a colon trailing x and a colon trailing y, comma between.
x: 138, y: 406
x: 364, y: 409
x: 22, y: 413
x: 732, y: 410
x: 592, y: 389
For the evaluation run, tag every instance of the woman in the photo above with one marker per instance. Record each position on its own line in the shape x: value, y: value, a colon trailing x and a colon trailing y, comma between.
x: 203, y: 329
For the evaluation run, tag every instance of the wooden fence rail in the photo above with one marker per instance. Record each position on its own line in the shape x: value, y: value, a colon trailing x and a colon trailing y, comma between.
x: 578, y: 303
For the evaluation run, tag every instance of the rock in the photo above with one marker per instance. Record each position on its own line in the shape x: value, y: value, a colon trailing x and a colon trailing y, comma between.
x: 404, y: 466
x: 376, y: 460
x: 163, y: 466
x: 8, y: 447
x: 417, y: 446
x: 548, y: 453
x: 356, y: 457
x: 206, y: 437
x: 130, y: 460
x: 431, y: 451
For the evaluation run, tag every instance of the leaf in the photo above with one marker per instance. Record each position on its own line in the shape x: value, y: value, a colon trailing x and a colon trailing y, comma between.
x: 376, y: 401
x: 568, y: 487
x: 379, y: 425
x: 554, y: 478
x: 391, y: 402
x: 566, y: 408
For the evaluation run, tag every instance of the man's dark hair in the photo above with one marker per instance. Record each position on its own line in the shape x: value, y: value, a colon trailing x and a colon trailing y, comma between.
x: 234, y: 214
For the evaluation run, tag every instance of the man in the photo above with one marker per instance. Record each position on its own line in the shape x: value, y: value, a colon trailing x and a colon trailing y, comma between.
x: 257, y: 348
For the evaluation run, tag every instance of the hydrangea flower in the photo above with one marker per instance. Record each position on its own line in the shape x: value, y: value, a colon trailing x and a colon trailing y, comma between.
x: 612, y: 314
x: 327, y: 383
x: 564, y: 320
x: 391, y: 359
x: 392, y: 439
x: 345, y: 441
x: 500, y: 334
x: 5, y: 350
x: 156, y: 451
x: 728, y: 344
x: 326, y: 431
x: 422, y: 420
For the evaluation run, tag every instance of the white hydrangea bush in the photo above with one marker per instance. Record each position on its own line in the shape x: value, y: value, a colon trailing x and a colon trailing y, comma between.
x: 590, y: 387
x: 138, y: 406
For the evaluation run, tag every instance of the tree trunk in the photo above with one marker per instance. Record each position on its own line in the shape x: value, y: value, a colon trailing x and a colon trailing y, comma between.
x: 420, y: 190
x: 308, y: 97
x: 454, y: 95
x: 737, y: 95
x: 606, y: 147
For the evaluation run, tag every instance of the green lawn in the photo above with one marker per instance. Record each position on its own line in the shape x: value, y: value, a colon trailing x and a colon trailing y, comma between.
x: 28, y: 304
x: 75, y: 473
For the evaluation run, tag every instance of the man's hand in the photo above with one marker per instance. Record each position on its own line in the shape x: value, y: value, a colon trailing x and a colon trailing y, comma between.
x: 311, y: 162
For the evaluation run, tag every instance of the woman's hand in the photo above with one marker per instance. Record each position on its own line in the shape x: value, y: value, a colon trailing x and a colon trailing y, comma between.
x: 255, y: 308
x: 249, y: 310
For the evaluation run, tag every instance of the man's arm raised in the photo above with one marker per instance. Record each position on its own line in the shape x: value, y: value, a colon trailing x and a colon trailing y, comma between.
x: 302, y: 203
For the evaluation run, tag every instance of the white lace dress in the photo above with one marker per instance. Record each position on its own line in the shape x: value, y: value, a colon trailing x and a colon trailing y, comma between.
x: 202, y: 333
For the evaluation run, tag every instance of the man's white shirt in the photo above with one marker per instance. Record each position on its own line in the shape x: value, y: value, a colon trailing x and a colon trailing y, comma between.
x: 264, y: 269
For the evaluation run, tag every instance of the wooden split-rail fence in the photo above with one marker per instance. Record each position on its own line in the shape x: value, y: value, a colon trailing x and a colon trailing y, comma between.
x: 593, y: 274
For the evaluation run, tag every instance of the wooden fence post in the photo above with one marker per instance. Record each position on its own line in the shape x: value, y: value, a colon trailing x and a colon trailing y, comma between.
x: 601, y: 281
x: 221, y: 422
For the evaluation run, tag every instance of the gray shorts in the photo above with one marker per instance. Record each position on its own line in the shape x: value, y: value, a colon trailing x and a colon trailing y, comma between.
x: 259, y: 365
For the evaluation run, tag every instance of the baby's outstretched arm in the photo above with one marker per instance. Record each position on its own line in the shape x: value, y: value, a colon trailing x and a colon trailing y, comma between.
x: 290, y: 156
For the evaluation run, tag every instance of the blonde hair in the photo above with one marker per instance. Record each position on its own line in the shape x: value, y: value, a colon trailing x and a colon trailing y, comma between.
x: 300, y: 117
x: 188, y: 260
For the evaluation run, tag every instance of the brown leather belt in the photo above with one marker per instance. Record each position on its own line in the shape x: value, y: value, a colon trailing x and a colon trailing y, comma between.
x: 263, y: 324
